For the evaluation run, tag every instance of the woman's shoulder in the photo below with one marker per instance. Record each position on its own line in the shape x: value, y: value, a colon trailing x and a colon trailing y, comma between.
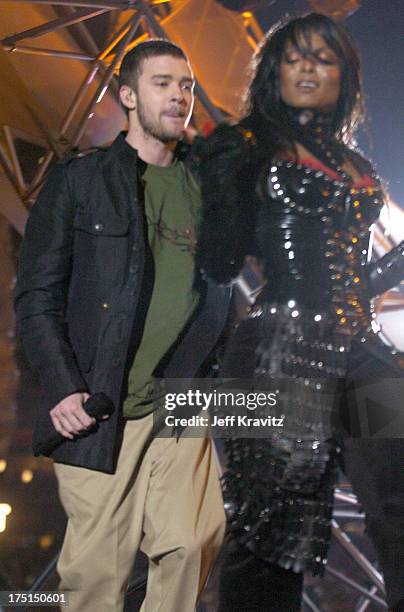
x: 363, y: 163
x: 234, y: 130
x: 228, y: 138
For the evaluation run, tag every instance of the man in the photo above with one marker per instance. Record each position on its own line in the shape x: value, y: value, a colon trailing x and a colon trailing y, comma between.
x: 106, y: 299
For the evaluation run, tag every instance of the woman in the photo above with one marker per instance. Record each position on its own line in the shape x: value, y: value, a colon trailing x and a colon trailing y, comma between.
x: 286, y: 186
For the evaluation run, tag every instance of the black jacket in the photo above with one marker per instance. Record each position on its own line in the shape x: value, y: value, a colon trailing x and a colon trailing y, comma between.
x: 78, y: 286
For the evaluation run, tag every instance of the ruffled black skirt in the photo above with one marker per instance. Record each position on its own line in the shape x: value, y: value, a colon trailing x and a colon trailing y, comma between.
x: 279, y: 489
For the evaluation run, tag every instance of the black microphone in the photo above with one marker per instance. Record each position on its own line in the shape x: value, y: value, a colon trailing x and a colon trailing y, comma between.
x: 96, y: 406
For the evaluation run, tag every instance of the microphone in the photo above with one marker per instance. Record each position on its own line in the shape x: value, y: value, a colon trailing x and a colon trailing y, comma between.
x: 96, y: 406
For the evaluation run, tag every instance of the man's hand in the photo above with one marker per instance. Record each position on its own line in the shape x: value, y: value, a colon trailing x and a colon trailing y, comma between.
x: 69, y: 417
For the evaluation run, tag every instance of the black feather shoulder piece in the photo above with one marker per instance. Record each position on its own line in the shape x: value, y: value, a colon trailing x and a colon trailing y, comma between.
x: 227, y: 171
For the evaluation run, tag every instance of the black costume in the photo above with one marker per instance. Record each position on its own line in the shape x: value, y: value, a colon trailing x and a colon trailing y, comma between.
x: 311, y: 325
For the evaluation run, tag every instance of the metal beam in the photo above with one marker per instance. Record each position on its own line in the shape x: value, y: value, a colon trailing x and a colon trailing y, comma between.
x: 92, y: 73
x: 11, y: 205
x: 107, y: 78
x: 98, y: 64
x: 35, y: 140
x: 204, y: 99
x: 103, y: 4
x: 15, y: 161
x: 47, y: 52
x: 7, y: 165
x: 310, y: 603
x: 45, y: 131
x: 358, y: 557
x: 349, y: 498
x: 364, y: 602
x: 117, y: 37
x: 357, y: 587
x: 350, y: 515
x: 38, y: 179
x: 52, y: 26
x: 80, y: 29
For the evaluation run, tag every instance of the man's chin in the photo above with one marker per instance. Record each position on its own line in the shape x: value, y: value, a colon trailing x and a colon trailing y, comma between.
x: 171, y: 136
x: 174, y: 130
x: 164, y: 137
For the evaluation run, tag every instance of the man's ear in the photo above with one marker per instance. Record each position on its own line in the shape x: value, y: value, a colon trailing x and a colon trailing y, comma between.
x: 127, y: 97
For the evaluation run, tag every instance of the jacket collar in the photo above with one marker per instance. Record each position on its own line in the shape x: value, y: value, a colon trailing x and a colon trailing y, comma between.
x: 125, y: 153
x: 128, y: 155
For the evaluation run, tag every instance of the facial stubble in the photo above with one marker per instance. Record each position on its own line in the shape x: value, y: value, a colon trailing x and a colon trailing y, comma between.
x: 151, y: 128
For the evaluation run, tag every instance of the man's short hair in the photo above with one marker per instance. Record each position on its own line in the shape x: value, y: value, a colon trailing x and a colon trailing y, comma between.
x: 131, y: 66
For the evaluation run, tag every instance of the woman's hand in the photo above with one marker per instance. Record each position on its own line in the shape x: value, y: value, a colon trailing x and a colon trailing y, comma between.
x: 190, y: 133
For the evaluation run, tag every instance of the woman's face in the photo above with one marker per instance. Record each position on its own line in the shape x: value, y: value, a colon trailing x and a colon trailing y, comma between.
x: 312, y: 79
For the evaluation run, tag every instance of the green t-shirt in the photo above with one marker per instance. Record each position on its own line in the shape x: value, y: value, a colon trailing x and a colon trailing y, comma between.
x: 172, y: 210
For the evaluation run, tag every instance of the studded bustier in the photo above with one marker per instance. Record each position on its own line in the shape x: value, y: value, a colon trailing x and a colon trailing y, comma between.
x: 313, y: 234
x: 308, y: 221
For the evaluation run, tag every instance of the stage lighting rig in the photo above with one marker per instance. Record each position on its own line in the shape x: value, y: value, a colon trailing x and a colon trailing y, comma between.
x: 245, y: 5
x: 337, y: 9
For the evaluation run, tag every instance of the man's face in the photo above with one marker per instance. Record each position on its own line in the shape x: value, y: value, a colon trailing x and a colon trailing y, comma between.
x: 164, y: 97
x: 311, y: 80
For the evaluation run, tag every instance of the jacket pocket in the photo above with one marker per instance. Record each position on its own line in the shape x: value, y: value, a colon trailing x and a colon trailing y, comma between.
x: 101, y: 247
x: 100, y: 225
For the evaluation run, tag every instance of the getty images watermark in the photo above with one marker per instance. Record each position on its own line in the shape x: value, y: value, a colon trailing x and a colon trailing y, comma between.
x: 219, y: 400
x: 230, y: 408
x: 251, y: 408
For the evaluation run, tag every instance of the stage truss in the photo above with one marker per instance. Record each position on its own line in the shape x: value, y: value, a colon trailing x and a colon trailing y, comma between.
x: 220, y: 44
x: 125, y: 24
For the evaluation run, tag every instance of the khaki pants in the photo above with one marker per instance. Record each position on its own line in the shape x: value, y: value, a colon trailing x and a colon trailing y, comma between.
x: 165, y: 499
